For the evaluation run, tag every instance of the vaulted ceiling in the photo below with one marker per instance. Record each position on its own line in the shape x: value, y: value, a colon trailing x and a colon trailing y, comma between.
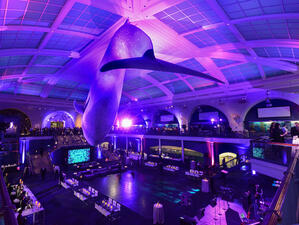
x: 52, y: 48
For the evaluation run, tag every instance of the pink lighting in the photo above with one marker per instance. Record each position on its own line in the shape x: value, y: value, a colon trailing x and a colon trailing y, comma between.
x: 126, y: 123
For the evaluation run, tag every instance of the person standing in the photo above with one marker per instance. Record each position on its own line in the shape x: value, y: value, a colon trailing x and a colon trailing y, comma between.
x: 278, y: 134
x: 43, y: 173
x: 61, y: 177
x: 21, y: 220
x: 295, y: 136
x: 271, y: 130
x: 5, y: 178
x: 295, y: 130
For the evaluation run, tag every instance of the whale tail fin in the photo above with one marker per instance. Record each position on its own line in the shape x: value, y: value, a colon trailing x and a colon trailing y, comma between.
x: 149, y: 62
x: 79, y: 108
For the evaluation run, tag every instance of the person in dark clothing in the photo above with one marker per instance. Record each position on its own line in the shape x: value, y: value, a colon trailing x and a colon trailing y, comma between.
x: 21, y: 220
x: 61, y: 177
x: 9, y: 188
x: 43, y: 173
x: 295, y: 130
x: 278, y: 134
x: 212, y: 185
x: 5, y: 178
x: 271, y: 130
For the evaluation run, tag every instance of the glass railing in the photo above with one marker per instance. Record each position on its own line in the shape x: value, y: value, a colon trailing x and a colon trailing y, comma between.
x: 279, y: 153
x: 284, y: 207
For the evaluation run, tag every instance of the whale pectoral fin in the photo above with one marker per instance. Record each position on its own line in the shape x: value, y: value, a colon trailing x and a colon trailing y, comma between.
x: 78, y: 108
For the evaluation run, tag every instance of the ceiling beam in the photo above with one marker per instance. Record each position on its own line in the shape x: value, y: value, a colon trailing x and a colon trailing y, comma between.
x: 245, y: 20
x: 224, y: 91
x: 254, y: 44
x: 219, y: 11
x: 17, y: 66
x: 29, y: 51
x: 272, y: 62
x: 164, y: 89
x: 158, y: 6
x: 163, y: 35
x: 210, y: 66
x: 119, y: 7
x: 97, y: 47
x: 46, y: 30
x: 62, y: 14
x: 129, y: 96
x: 4, y: 6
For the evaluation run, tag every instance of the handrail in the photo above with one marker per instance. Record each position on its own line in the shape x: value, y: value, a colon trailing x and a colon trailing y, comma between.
x: 7, y: 208
x: 274, y: 213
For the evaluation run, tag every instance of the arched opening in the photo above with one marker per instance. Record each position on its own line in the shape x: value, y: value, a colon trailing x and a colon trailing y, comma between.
x: 166, y: 119
x: 13, y: 122
x: 208, y: 121
x: 260, y: 116
x: 165, y: 123
x: 58, y: 119
x: 226, y: 158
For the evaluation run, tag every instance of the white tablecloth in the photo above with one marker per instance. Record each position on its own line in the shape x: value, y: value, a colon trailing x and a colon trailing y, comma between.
x: 295, y: 141
x: 158, y: 214
x: 205, y: 185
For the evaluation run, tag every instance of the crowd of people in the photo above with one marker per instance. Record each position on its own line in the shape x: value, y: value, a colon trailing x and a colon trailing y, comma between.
x: 195, y: 131
x: 19, y: 198
x: 278, y: 133
x: 54, y: 131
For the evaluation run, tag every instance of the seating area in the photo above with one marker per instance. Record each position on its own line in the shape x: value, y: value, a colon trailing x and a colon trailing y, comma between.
x: 171, y: 168
x: 94, y: 169
x: 150, y: 164
x: 149, y: 112
x: 194, y: 173
x: 25, y: 203
x: 108, y: 207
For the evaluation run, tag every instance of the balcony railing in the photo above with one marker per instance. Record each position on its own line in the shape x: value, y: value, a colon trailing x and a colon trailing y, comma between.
x: 284, y: 207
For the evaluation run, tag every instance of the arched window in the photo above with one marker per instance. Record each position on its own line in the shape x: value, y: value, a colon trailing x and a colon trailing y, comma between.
x: 165, y: 119
x: 60, y: 119
x: 260, y: 116
x: 14, y: 122
x: 207, y: 120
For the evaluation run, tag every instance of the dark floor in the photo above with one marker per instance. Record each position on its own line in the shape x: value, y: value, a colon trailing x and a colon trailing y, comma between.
x: 137, y: 190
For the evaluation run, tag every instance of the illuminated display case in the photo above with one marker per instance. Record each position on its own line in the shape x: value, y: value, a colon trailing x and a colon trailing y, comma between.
x: 78, y: 155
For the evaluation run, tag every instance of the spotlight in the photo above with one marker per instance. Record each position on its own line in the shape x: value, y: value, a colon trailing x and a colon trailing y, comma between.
x: 253, y: 172
x: 126, y: 123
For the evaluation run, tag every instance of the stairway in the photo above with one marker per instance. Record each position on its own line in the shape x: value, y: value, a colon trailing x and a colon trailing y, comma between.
x: 38, y: 162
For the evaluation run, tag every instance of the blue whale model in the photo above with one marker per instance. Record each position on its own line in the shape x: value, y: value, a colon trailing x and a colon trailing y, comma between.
x: 130, y: 47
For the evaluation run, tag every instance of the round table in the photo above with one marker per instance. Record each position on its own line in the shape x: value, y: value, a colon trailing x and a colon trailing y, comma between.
x: 158, y: 214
